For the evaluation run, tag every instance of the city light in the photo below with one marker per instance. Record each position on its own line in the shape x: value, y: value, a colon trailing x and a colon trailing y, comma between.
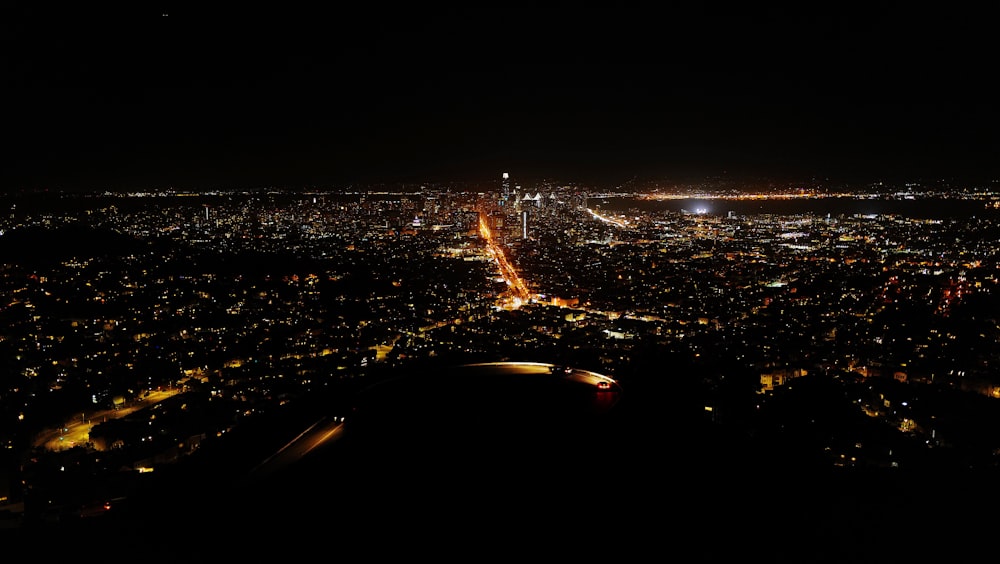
x: 519, y: 294
x: 194, y: 336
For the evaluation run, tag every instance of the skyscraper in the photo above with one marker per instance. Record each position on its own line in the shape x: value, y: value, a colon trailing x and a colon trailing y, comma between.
x: 505, y: 193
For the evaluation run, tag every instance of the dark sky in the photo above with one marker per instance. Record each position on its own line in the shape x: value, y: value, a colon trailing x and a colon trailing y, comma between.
x: 132, y: 98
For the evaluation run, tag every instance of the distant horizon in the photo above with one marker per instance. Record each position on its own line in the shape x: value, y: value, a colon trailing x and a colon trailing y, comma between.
x: 742, y: 182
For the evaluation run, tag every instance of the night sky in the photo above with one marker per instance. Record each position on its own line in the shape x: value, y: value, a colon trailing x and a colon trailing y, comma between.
x: 102, y: 98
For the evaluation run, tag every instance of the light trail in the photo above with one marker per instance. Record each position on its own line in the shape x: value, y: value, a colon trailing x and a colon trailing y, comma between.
x: 519, y: 291
x: 606, y: 219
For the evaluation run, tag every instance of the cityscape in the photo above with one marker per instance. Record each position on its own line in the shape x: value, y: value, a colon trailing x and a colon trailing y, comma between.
x: 544, y: 281
x: 831, y: 327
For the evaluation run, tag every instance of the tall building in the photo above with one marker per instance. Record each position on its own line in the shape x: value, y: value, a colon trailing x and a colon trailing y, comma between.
x: 505, y: 192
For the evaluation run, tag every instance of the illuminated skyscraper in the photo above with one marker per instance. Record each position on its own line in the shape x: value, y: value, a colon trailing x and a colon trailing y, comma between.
x: 505, y: 193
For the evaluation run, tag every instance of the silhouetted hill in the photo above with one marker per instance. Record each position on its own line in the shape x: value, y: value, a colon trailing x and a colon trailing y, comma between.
x: 37, y: 245
x: 435, y: 465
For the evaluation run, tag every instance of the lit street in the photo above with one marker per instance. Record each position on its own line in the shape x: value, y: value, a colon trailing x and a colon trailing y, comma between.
x: 76, y: 432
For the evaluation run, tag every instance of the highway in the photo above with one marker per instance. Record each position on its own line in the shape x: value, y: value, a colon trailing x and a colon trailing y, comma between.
x: 322, y: 432
x: 607, y: 219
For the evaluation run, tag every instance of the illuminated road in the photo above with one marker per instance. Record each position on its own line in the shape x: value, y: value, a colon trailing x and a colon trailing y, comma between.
x: 77, y: 432
x: 607, y: 219
x: 519, y: 292
x: 317, y: 435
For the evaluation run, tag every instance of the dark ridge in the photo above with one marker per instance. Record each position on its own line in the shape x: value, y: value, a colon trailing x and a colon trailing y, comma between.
x: 431, y: 461
x: 37, y: 245
x: 252, y: 263
x: 42, y: 246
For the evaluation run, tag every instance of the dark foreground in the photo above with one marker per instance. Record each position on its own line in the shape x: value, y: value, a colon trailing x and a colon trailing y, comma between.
x: 540, y: 475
